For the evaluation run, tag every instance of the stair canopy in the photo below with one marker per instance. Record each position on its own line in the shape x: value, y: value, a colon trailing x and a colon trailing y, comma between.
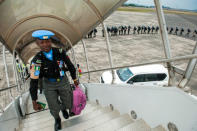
x: 70, y: 20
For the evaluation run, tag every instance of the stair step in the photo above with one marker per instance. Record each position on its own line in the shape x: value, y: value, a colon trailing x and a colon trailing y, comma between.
x: 90, y: 108
x: 36, y: 116
x: 46, y: 121
x: 86, y: 117
x: 114, y: 124
x: 139, y: 125
x: 93, y: 122
x: 42, y: 114
x: 158, y: 128
x: 38, y: 121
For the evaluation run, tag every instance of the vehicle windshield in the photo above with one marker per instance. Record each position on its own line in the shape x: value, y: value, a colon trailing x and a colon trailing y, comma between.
x: 124, y: 74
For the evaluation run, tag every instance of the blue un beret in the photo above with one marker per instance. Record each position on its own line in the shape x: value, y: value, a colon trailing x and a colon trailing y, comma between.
x: 42, y: 34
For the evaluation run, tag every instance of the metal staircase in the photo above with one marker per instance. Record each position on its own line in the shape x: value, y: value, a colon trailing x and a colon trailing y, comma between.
x: 93, y: 118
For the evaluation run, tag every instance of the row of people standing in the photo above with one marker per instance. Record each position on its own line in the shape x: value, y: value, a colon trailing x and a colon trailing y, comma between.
x: 126, y: 30
x: 92, y: 33
x: 182, y: 32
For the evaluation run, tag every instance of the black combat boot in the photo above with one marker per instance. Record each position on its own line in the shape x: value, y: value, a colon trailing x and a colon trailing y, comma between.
x: 65, y: 114
x: 58, y: 125
x: 71, y: 114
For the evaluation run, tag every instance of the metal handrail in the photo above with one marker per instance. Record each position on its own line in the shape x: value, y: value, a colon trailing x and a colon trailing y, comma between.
x: 147, y: 63
x: 7, y: 88
x: 12, y: 86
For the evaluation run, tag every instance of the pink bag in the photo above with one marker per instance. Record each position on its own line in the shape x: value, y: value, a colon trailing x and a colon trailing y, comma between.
x: 79, y: 101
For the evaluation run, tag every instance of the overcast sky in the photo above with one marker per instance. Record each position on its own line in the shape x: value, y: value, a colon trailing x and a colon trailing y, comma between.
x: 179, y: 4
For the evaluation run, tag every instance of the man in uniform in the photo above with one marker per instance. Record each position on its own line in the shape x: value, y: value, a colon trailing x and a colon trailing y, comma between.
x: 176, y: 30
x: 49, y: 64
x: 142, y: 29
x: 149, y: 29
x: 145, y: 28
x: 129, y: 28
x: 171, y: 29
x: 157, y: 29
x: 95, y: 31
x: 134, y: 29
x: 188, y: 32
x: 138, y: 29
x: 181, y: 32
x: 152, y: 29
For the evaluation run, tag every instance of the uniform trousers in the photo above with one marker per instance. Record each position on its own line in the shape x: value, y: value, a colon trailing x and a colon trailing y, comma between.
x: 58, y: 95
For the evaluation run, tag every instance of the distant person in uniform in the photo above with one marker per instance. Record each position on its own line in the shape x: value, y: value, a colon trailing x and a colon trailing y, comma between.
x: 138, y: 29
x: 142, y: 29
x: 115, y: 30
x: 125, y: 30
x: 152, y: 29
x: 49, y: 64
x: 108, y: 30
x: 134, y: 29
x: 188, y: 32
x: 129, y: 28
x: 157, y: 29
x: 149, y: 29
x: 145, y: 28
x: 176, y: 30
x: 122, y: 30
x: 112, y: 31
x: 181, y: 32
x: 90, y: 34
x: 171, y: 30
x: 95, y: 31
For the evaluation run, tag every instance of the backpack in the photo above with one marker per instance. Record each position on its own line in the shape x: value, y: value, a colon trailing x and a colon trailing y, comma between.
x: 79, y: 101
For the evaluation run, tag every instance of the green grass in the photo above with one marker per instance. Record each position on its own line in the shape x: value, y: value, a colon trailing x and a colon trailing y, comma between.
x: 134, y: 9
x: 146, y: 10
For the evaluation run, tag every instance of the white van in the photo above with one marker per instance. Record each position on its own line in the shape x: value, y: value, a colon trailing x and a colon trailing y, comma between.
x: 141, y: 75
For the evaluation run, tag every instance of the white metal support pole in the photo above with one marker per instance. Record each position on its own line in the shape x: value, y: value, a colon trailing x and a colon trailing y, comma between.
x: 1, y: 108
x: 189, y: 70
x: 15, y: 71
x: 166, y: 43
x: 74, y: 58
x: 6, y: 71
x: 109, y: 51
x: 86, y: 57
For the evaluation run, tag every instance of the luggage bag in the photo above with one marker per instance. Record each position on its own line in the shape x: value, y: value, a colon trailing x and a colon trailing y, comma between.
x: 79, y: 101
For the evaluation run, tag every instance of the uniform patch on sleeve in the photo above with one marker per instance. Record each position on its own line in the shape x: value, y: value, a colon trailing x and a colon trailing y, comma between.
x: 33, y: 73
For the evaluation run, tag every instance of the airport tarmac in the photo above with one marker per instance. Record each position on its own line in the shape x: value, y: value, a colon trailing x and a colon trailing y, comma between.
x: 134, y: 49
